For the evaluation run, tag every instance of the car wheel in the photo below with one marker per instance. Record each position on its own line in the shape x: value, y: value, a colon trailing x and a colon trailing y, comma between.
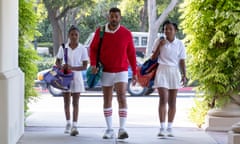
x: 149, y: 91
x: 54, y: 91
x: 136, y: 90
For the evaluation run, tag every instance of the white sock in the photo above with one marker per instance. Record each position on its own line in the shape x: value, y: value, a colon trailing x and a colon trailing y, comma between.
x: 169, y: 125
x: 74, y: 124
x: 68, y: 121
x: 162, y: 125
x: 122, y: 117
x: 108, y: 117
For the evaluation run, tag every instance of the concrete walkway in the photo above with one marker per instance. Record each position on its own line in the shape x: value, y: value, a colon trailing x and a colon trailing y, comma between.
x: 137, y: 135
x: 46, y: 124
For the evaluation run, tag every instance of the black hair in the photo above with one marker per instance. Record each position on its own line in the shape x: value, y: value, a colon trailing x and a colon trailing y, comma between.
x: 169, y: 22
x: 73, y: 27
x: 115, y: 9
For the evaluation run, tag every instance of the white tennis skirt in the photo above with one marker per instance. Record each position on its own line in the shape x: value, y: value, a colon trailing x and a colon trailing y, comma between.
x: 167, y: 77
x: 77, y: 84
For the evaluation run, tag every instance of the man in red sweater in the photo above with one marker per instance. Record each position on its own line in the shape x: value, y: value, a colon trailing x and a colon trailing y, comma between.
x: 117, y: 52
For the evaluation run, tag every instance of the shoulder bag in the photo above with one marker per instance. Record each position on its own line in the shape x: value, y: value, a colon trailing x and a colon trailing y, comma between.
x: 93, y: 79
x: 59, y: 78
x: 146, y: 73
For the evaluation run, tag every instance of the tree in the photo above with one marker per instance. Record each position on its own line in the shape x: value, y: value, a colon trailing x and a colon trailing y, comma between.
x: 45, y: 29
x: 57, y: 12
x: 134, y: 15
x: 213, y: 47
x: 89, y: 17
x: 143, y: 17
x: 155, y: 22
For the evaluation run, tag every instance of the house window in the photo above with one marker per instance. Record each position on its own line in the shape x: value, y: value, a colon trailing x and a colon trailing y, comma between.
x: 144, y: 41
x: 136, y: 41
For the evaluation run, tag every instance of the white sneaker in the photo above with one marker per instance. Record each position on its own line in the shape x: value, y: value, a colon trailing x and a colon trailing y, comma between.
x: 161, y: 133
x: 169, y: 132
x: 122, y: 134
x: 109, y: 134
x: 67, y: 128
x: 74, y: 131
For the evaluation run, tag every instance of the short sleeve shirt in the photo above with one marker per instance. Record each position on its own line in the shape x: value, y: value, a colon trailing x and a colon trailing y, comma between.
x: 75, y: 56
x: 171, y: 53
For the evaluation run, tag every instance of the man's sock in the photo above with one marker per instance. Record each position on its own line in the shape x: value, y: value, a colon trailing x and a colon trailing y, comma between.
x: 122, y: 117
x: 108, y: 117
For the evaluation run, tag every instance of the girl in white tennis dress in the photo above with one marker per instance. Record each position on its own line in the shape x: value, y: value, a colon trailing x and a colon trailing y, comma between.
x: 169, y: 76
x: 77, y: 60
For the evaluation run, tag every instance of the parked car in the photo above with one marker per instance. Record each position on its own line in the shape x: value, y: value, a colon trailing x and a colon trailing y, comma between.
x: 136, y: 90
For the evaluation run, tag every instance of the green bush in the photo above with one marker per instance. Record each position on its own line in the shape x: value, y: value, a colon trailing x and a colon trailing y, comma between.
x: 45, y: 44
x: 27, y: 55
x: 45, y: 63
x: 198, y: 112
x: 213, y: 47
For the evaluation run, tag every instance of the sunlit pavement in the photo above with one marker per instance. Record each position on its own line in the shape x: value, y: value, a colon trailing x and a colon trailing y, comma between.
x: 142, y: 111
x: 47, y: 121
x: 185, y: 92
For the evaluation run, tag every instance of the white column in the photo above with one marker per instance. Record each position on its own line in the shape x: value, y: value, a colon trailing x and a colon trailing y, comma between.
x: 234, y: 134
x: 11, y: 77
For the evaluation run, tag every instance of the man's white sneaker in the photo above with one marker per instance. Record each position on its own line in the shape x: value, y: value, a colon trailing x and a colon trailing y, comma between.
x: 74, y: 131
x: 67, y: 128
x: 122, y: 134
x: 161, y: 133
x: 109, y: 134
x: 169, y: 132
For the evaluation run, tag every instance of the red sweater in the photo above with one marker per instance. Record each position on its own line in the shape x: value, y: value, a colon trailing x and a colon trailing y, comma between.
x: 117, y: 51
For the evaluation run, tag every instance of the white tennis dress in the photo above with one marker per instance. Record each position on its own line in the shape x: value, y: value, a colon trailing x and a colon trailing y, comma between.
x: 168, y: 74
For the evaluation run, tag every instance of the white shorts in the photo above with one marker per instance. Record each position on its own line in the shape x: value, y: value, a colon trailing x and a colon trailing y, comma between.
x: 167, y: 77
x: 77, y: 84
x: 109, y: 79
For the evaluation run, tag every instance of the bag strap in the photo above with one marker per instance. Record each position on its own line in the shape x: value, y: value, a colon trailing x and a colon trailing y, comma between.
x: 102, y: 30
x: 65, y: 53
x: 156, y: 53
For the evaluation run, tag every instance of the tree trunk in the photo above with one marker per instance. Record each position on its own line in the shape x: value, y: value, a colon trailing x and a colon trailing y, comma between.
x: 154, y: 22
x: 57, y: 32
x: 143, y: 17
